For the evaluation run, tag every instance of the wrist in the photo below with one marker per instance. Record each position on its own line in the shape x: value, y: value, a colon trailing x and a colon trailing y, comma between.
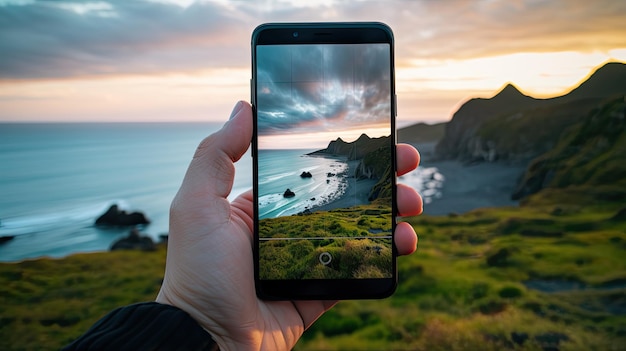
x: 145, y: 326
x: 220, y: 335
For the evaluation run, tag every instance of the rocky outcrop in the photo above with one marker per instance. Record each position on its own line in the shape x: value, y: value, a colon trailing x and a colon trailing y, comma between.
x: 134, y: 241
x: 6, y: 239
x: 288, y: 193
x: 374, y: 164
x: 306, y: 175
x: 116, y: 217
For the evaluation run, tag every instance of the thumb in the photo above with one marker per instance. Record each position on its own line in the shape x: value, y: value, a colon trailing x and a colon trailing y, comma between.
x: 212, y: 171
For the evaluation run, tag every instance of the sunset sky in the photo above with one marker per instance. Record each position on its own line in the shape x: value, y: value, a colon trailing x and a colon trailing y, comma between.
x: 190, y: 60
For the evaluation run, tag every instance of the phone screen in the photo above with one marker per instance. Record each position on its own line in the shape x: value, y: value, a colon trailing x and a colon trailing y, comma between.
x: 324, y: 167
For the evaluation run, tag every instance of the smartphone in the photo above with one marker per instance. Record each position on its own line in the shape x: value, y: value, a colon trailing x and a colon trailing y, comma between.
x: 323, y: 97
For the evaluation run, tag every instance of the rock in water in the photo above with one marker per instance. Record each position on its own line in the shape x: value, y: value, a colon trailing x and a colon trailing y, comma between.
x: 306, y: 175
x: 134, y: 241
x: 289, y: 193
x: 6, y: 238
x: 115, y: 217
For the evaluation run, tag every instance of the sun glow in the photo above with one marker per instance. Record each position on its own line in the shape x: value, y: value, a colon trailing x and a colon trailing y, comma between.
x: 537, y: 74
x: 203, y: 96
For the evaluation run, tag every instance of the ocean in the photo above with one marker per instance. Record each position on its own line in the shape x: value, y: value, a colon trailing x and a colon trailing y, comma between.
x: 280, y: 170
x: 57, y: 178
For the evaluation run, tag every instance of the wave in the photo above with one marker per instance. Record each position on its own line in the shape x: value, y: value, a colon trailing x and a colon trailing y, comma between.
x: 273, y: 178
x: 427, y: 181
x: 313, y: 195
x: 47, y: 221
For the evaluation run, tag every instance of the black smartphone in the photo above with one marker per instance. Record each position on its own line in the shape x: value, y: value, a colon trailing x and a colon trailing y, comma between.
x: 323, y: 97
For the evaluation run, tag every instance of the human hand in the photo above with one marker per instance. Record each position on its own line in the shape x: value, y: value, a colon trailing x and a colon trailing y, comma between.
x: 209, y: 270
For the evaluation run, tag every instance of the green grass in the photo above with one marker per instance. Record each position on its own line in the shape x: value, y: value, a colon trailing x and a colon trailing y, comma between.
x: 351, y: 258
x: 47, y: 303
x: 449, y: 298
x: 468, y: 287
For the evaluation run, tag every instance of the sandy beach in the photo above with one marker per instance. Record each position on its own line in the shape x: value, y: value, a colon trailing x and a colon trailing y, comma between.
x: 468, y: 187
x: 356, y: 193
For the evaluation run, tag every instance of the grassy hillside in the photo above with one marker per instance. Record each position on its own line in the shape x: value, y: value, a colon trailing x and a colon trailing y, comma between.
x: 590, y: 152
x: 529, y: 133
x: 46, y: 303
x: 361, y: 253
x: 493, y: 279
x: 523, y: 278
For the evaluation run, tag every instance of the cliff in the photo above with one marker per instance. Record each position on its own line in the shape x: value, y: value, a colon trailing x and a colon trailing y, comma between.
x: 516, y: 127
x: 590, y: 154
x: 374, y: 156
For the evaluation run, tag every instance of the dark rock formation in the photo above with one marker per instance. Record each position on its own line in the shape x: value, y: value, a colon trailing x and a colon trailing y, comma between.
x: 116, y: 217
x: 6, y: 238
x: 289, y: 193
x: 134, y: 241
x: 306, y: 175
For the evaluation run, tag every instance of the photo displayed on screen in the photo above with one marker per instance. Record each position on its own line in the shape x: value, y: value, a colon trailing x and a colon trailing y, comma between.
x: 324, y: 161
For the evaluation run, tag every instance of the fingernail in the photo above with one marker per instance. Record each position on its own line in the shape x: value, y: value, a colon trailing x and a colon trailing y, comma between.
x: 236, y: 109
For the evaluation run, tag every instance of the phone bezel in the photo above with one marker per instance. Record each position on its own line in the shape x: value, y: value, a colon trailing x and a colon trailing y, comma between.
x: 323, y: 33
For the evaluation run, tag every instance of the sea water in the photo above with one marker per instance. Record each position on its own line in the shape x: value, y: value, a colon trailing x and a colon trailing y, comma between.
x: 280, y: 170
x: 57, y: 178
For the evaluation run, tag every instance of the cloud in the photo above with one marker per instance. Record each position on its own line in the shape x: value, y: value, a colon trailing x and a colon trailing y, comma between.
x: 68, y: 39
x: 322, y: 88
x: 471, y: 29
x: 71, y: 38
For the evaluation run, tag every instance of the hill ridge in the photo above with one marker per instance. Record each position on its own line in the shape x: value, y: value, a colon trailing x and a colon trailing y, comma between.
x: 464, y: 137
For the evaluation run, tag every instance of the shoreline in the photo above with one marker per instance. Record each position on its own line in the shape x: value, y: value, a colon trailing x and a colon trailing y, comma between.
x: 356, y: 193
x: 470, y: 187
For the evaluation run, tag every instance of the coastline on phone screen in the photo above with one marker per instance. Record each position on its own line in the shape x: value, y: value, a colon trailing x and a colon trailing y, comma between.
x: 325, y: 168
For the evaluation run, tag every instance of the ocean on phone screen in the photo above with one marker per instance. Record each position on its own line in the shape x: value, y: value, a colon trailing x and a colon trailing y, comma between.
x: 280, y: 170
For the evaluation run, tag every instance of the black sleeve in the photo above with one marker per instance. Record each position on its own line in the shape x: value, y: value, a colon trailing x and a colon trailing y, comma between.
x: 145, y: 326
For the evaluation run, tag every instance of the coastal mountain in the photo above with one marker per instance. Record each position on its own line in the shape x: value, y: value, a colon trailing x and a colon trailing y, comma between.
x: 355, y: 150
x: 421, y: 133
x: 517, y: 127
x: 605, y: 81
x: 459, y: 136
